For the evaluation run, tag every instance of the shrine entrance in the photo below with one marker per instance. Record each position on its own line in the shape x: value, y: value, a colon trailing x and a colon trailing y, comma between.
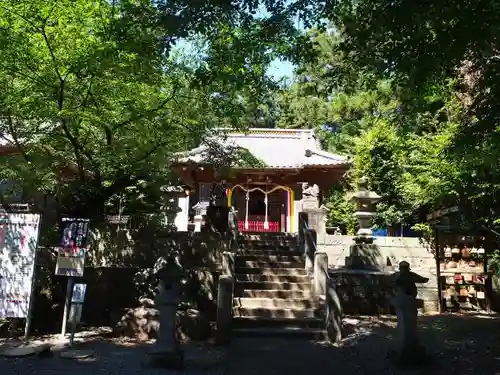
x: 266, y: 190
x: 262, y: 208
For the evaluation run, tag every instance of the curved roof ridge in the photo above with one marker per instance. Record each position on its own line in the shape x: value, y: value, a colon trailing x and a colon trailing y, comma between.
x: 277, y: 148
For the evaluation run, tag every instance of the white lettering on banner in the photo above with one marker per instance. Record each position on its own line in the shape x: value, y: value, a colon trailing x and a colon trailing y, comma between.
x: 18, y: 244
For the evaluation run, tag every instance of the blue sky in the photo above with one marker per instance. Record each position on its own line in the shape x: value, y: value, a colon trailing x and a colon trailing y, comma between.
x: 278, y: 69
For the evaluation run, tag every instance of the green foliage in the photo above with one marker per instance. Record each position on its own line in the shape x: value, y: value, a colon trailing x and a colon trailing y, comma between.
x: 401, y: 145
x: 244, y: 159
x: 95, y: 104
x: 494, y: 262
x: 426, y: 233
x: 341, y: 209
x: 380, y: 157
x: 446, y: 66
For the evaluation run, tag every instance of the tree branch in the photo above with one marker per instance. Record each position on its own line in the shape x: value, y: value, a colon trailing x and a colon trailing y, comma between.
x: 34, y: 79
x: 84, y: 102
x: 52, y: 54
x: 78, y: 149
x: 126, y: 179
x: 13, y: 133
x: 145, y: 113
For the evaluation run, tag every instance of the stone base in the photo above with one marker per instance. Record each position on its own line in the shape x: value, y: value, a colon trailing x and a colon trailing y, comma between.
x: 77, y: 354
x: 171, y: 360
x: 42, y: 350
x: 411, y: 356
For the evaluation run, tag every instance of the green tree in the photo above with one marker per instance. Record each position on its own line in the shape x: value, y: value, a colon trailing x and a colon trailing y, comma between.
x: 92, y: 89
x: 443, y: 59
x: 402, y: 148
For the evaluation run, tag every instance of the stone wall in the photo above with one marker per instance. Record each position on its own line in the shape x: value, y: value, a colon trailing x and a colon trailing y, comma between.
x: 111, y: 289
x: 386, y: 252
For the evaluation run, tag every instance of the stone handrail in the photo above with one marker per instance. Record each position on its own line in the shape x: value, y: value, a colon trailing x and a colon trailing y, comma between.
x: 324, y: 289
x: 225, y: 293
x: 225, y: 289
x: 233, y: 229
x: 307, y: 242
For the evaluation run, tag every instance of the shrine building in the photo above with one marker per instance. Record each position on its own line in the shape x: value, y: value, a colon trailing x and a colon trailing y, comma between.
x: 267, y: 196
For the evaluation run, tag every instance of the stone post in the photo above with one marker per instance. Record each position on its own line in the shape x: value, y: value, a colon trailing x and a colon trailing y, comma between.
x: 333, y: 314
x: 233, y: 229
x: 301, y: 232
x: 224, y: 309
x: 320, y: 273
x: 316, y: 219
x: 309, y: 250
x: 228, y: 263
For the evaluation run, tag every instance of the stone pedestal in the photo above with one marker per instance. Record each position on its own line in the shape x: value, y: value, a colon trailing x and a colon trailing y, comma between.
x: 408, y: 350
x: 316, y: 219
x: 310, y: 203
x: 365, y: 256
x: 197, y: 223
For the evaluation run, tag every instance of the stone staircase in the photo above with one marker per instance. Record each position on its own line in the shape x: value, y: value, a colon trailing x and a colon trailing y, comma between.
x: 272, y: 293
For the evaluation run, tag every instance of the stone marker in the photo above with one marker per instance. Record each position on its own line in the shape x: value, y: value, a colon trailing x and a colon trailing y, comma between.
x: 166, y: 351
x: 408, y: 350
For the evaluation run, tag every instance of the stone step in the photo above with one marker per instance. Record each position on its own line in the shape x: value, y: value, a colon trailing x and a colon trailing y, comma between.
x: 268, y: 241
x: 271, y: 285
x: 274, y: 313
x: 270, y: 252
x: 282, y: 278
x: 268, y: 264
x: 249, y: 236
x: 266, y: 257
x: 265, y: 247
x: 280, y: 323
x: 274, y: 293
x: 274, y: 303
x: 271, y: 271
x: 288, y: 332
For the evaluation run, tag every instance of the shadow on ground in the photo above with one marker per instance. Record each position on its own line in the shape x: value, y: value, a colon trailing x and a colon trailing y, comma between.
x: 459, y: 344
x: 112, y: 356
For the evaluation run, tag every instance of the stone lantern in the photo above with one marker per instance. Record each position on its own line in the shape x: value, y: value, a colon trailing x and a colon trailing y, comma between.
x: 166, y: 351
x: 365, y: 209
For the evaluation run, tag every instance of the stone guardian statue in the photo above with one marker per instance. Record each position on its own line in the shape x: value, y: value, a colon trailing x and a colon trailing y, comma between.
x: 404, y: 299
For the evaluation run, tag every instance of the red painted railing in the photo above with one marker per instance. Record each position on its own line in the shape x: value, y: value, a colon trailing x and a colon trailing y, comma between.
x: 258, y: 226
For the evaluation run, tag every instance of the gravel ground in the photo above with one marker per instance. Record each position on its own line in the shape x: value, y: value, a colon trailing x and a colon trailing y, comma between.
x: 112, y: 356
x: 459, y: 344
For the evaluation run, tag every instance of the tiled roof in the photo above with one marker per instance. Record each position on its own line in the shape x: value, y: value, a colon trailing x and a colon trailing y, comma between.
x: 276, y: 148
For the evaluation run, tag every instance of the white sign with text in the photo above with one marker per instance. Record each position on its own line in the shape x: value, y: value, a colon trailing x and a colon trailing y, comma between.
x: 18, y: 244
